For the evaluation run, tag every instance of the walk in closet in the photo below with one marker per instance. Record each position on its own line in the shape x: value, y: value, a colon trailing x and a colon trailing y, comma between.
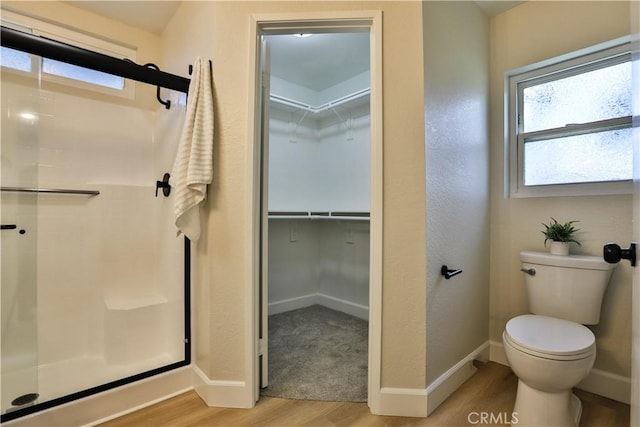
x: 318, y: 176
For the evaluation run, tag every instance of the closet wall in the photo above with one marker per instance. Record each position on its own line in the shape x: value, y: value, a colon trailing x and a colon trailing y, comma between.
x: 319, y: 162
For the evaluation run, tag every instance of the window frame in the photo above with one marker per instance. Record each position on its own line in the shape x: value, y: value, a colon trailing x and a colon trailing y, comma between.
x: 75, y: 38
x: 515, y: 81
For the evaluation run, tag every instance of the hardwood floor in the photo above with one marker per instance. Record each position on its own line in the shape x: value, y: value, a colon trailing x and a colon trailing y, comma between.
x: 491, y: 390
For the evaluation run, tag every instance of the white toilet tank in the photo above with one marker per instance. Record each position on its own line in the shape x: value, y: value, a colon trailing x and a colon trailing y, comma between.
x: 566, y: 287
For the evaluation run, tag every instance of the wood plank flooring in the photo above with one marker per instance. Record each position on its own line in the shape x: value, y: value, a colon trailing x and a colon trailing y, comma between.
x: 492, y: 389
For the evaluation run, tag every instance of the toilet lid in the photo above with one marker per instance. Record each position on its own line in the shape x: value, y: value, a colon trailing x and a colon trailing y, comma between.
x: 542, y: 335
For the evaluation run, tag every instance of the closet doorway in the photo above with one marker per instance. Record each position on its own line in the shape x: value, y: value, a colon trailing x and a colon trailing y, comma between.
x: 315, y: 202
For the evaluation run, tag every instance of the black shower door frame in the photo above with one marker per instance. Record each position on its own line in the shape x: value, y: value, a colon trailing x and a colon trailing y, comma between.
x: 48, y: 48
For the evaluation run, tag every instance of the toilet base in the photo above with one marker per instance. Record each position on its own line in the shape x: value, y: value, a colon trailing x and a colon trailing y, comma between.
x: 535, y: 408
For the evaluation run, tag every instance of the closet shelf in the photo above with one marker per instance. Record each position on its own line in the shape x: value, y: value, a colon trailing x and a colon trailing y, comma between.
x: 324, y: 107
x: 328, y: 215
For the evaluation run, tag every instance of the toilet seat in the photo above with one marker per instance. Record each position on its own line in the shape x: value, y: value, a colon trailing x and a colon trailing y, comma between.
x: 549, y: 338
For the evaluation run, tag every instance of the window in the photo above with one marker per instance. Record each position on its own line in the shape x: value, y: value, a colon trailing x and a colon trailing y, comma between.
x: 60, y: 72
x: 15, y: 59
x: 61, y: 69
x: 570, y: 124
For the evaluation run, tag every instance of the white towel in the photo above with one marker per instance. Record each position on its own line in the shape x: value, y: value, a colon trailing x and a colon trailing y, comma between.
x: 193, y: 167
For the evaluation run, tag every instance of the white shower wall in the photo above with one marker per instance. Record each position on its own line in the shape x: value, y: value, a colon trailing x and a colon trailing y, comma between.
x: 87, y: 144
x: 109, y: 267
x: 18, y: 149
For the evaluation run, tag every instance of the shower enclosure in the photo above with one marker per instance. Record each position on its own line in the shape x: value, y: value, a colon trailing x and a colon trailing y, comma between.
x: 94, y: 281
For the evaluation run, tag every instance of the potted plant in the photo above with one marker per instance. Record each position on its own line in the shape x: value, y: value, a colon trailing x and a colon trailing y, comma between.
x: 561, y: 235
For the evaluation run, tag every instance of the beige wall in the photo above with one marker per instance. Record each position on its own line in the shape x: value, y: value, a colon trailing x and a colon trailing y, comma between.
x: 526, y: 34
x: 146, y: 43
x: 220, y: 30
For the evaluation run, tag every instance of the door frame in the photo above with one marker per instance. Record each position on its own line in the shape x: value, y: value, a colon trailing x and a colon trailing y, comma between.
x: 261, y: 24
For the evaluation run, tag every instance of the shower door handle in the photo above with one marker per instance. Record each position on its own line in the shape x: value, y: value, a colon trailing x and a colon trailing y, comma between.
x: 164, y: 184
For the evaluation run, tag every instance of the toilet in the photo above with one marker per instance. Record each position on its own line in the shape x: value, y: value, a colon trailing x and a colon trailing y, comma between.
x: 551, y: 350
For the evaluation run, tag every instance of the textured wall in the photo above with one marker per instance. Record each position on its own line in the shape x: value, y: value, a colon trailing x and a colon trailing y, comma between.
x: 456, y: 46
x: 526, y: 34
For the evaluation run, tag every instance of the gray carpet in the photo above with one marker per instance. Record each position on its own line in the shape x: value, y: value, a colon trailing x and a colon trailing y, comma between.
x: 316, y: 353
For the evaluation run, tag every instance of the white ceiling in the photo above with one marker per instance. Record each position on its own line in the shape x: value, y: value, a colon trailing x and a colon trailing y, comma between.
x: 320, y: 60
x: 148, y: 15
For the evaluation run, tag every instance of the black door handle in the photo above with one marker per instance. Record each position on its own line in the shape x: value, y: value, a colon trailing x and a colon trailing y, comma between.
x: 449, y: 273
x: 8, y: 226
x: 613, y: 253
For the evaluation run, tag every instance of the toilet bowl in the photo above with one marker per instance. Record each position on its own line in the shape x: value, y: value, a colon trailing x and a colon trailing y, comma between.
x: 549, y: 356
x: 550, y: 350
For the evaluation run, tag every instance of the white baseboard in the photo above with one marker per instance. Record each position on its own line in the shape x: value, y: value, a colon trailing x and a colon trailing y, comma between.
x: 357, y: 310
x: 452, y: 379
x: 496, y: 353
x: 333, y: 303
x: 602, y: 383
x: 223, y: 394
x: 111, y: 404
x: 402, y: 402
x: 290, y: 304
x: 406, y: 402
x: 609, y: 385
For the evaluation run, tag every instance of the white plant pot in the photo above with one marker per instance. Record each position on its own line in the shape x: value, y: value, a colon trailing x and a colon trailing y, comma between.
x: 559, y: 248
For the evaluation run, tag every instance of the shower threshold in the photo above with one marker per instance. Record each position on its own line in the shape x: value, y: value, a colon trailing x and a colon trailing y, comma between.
x: 73, y: 375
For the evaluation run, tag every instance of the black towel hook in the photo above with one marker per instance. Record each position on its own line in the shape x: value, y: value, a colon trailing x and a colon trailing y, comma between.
x: 191, y: 67
x: 167, y: 103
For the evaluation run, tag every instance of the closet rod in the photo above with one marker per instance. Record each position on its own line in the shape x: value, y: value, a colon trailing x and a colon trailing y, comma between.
x: 342, y: 215
x: 329, y: 105
x: 63, y: 52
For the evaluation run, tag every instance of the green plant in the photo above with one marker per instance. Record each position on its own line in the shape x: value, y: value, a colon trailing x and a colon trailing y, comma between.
x: 560, y: 232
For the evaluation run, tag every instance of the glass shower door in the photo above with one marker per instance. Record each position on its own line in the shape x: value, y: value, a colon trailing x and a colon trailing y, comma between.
x: 18, y: 237
x: 94, y: 282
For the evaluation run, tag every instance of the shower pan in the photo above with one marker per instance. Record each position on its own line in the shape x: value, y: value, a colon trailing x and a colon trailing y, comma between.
x: 94, y: 281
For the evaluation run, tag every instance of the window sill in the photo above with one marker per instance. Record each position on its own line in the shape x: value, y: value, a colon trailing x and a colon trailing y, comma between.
x: 567, y: 190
